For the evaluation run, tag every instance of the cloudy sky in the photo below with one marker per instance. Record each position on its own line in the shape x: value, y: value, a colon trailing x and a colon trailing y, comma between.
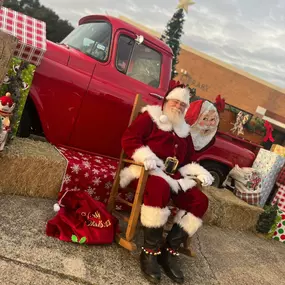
x: 249, y: 34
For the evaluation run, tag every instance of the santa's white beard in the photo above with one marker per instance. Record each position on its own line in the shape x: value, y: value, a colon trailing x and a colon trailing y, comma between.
x: 202, y: 136
x: 174, y: 115
x: 204, y: 130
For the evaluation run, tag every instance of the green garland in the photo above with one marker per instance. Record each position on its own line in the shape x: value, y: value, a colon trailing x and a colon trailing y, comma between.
x: 19, y: 95
x: 254, y: 124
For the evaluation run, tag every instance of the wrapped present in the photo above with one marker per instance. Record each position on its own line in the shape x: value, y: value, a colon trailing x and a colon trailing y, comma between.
x: 17, y: 81
x: 279, y: 227
x: 8, y: 45
x: 280, y: 197
x: 268, y: 164
x: 245, y: 183
x: 278, y: 149
x: 30, y: 32
x: 281, y: 177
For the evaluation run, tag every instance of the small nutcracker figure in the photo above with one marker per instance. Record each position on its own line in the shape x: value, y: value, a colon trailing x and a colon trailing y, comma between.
x: 7, y: 106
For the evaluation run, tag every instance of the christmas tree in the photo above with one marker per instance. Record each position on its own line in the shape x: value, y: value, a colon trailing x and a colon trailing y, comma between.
x: 174, y: 31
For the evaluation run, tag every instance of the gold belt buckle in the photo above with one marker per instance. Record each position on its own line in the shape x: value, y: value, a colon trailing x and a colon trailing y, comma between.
x: 171, y: 164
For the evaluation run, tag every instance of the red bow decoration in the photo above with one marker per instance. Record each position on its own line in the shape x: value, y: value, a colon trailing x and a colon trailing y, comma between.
x: 220, y: 103
x: 269, y: 129
x: 173, y: 84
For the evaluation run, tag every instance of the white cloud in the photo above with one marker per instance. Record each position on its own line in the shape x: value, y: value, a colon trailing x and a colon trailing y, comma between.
x: 249, y: 34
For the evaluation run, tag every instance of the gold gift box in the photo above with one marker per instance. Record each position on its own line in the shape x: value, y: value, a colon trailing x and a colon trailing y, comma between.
x: 276, y: 148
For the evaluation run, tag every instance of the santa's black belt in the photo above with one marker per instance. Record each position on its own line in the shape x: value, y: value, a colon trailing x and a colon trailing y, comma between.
x: 171, y: 164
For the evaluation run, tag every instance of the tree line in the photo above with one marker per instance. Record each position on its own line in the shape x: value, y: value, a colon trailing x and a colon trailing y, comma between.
x: 57, y: 28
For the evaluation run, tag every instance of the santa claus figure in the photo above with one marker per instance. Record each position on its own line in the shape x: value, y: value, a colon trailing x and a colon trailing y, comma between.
x: 203, y: 118
x: 7, y: 106
x: 159, y: 138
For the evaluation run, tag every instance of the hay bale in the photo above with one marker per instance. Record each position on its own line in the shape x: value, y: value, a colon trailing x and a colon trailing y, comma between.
x: 227, y: 211
x: 31, y: 168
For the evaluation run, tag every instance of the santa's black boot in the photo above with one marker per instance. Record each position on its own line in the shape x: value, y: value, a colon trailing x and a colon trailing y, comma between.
x: 169, y: 254
x: 150, y: 252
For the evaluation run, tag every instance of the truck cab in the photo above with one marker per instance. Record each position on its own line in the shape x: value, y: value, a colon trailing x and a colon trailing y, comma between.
x: 84, y: 89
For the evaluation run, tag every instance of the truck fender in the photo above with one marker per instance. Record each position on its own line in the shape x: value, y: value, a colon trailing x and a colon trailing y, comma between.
x: 217, y: 159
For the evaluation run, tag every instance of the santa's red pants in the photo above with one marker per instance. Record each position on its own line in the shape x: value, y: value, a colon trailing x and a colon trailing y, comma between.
x: 192, y: 203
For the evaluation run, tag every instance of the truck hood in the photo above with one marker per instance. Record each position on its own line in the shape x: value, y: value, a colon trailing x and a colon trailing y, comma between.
x: 58, y: 53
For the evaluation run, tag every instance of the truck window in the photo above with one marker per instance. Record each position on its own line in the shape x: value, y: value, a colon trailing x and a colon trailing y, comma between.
x: 138, y: 61
x: 92, y: 39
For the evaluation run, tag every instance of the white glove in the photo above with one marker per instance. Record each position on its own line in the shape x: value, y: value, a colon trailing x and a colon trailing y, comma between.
x: 206, y: 179
x: 186, y: 183
x: 153, y: 163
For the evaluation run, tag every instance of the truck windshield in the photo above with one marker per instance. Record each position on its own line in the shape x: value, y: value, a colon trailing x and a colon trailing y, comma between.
x: 92, y: 39
x: 138, y: 61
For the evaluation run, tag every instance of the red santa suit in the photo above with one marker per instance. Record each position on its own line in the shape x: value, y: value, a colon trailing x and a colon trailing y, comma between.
x: 151, y: 135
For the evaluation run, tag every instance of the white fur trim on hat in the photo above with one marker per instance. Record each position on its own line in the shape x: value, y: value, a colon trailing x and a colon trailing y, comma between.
x: 188, y: 222
x: 181, y: 94
x: 154, y: 217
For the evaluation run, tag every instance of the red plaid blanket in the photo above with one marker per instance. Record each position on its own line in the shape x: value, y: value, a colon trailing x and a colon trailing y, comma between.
x: 280, y: 196
x: 30, y: 32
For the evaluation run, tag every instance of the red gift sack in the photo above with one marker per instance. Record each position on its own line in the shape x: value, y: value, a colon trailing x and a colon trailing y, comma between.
x: 82, y: 219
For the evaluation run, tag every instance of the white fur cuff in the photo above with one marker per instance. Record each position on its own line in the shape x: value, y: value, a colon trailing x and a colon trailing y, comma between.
x: 193, y: 169
x: 142, y: 153
x: 187, y: 183
x: 188, y: 222
x: 154, y: 217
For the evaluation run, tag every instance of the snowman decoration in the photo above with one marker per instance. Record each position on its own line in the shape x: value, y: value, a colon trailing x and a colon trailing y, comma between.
x: 7, y: 106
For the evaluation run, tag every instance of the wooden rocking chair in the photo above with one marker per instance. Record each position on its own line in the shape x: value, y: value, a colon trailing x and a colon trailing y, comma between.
x: 126, y: 239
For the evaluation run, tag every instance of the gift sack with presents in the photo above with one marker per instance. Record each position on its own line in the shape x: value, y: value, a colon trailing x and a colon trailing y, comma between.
x: 245, y: 183
x: 81, y: 219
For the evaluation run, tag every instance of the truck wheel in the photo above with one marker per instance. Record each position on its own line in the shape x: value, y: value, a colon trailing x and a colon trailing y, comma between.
x: 25, y: 125
x: 218, y: 171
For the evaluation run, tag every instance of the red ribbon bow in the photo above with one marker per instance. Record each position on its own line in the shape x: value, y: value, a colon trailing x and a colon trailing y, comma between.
x: 173, y: 84
x: 220, y: 103
x: 269, y: 129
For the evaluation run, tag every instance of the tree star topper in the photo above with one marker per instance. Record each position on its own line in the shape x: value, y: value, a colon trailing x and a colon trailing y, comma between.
x: 184, y: 4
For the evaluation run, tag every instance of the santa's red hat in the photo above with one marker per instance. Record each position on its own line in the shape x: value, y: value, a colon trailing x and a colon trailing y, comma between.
x: 178, y: 91
x: 193, y: 114
x: 196, y: 109
x: 7, y: 104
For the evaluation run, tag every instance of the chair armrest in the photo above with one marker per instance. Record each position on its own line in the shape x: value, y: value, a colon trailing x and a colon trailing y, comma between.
x: 132, y: 162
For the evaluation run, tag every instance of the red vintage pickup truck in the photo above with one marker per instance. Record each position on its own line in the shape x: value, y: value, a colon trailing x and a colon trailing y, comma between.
x: 84, y: 89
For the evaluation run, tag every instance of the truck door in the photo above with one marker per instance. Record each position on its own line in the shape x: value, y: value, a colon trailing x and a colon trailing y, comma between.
x: 133, y: 68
